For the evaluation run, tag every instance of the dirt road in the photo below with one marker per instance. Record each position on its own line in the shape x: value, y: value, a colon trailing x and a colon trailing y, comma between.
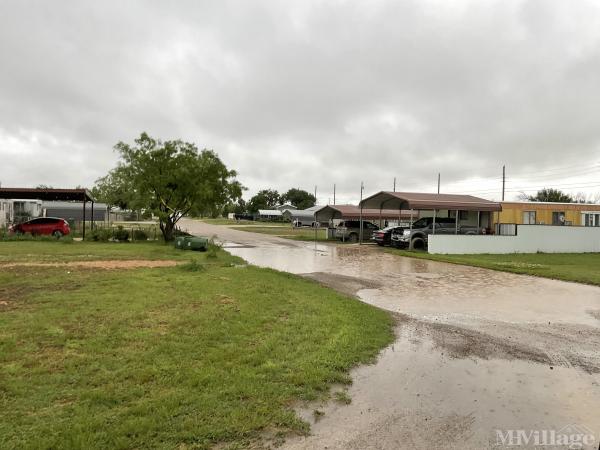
x: 478, y: 352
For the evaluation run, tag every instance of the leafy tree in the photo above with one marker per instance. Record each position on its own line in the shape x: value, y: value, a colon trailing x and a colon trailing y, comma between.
x: 582, y: 197
x: 299, y: 198
x: 170, y: 179
x: 265, y: 199
x: 239, y: 207
x: 44, y: 186
x: 551, y: 195
x: 114, y: 189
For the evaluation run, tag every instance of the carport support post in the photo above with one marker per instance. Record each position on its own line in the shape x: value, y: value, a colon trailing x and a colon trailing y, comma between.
x: 362, y: 187
x: 83, y: 233
x: 361, y: 223
x: 433, y: 223
x: 92, y: 215
x: 478, y: 220
x: 456, y: 223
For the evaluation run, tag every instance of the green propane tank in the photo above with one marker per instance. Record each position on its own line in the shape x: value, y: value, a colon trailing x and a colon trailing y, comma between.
x: 196, y: 243
x: 180, y: 242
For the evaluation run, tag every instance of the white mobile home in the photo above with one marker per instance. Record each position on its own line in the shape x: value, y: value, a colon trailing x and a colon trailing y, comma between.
x: 18, y: 210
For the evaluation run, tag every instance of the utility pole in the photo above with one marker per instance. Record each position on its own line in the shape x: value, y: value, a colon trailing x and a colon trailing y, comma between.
x: 503, y: 181
x: 438, y: 182
x: 394, y: 184
x: 334, y: 193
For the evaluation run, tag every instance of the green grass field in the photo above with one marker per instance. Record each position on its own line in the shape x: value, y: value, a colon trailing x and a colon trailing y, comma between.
x: 288, y: 232
x: 209, y: 353
x: 579, y: 267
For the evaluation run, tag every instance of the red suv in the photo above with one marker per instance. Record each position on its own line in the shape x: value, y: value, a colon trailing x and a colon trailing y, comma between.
x: 43, y: 225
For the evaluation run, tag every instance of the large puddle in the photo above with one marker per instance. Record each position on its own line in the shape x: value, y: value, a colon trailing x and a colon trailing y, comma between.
x: 478, y: 352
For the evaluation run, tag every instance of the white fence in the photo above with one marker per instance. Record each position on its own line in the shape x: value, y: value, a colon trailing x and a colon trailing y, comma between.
x: 529, y: 239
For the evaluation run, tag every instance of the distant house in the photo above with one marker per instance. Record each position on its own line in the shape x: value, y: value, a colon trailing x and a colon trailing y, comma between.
x: 549, y: 213
x: 286, y: 207
x: 269, y: 214
x: 18, y: 210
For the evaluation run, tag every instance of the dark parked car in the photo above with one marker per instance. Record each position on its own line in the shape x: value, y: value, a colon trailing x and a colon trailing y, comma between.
x: 349, y: 230
x: 52, y: 226
x: 384, y: 236
x: 417, y: 237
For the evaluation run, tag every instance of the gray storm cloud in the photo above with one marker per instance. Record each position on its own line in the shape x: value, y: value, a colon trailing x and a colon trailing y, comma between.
x: 308, y: 93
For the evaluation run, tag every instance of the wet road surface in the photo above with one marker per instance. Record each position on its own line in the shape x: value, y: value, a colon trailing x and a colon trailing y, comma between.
x: 477, y: 350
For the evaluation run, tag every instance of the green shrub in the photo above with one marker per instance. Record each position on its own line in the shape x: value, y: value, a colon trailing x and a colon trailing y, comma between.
x: 140, y: 235
x: 192, y: 266
x: 213, y: 248
x: 101, y: 235
x: 121, y: 234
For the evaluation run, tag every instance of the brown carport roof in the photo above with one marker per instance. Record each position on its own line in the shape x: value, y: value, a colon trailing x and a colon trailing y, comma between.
x: 426, y: 201
x: 78, y: 195
x: 353, y: 212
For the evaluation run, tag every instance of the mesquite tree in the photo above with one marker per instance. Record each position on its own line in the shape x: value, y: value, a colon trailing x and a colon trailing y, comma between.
x: 170, y: 179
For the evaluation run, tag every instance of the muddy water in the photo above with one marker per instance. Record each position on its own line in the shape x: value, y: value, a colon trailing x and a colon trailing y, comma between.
x: 477, y: 350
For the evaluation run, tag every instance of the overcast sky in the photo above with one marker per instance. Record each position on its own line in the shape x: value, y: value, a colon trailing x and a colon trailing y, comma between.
x: 304, y: 93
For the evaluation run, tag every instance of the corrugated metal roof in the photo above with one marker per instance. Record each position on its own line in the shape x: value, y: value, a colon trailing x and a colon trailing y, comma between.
x: 307, y: 213
x: 286, y: 206
x: 47, y: 194
x: 269, y: 212
x: 353, y: 212
x: 427, y: 201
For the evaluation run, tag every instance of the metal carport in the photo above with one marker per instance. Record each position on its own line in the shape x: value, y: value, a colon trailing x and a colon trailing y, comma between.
x: 430, y: 202
x: 67, y: 195
x: 332, y: 212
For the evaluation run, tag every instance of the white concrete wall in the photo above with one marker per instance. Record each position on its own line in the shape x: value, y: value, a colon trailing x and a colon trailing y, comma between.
x: 529, y: 239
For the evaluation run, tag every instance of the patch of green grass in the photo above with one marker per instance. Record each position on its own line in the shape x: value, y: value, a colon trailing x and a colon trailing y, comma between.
x: 53, y: 250
x: 343, y: 397
x: 167, y: 357
x: 225, y: 221
x: 288, y: 232
x: 579, y: 267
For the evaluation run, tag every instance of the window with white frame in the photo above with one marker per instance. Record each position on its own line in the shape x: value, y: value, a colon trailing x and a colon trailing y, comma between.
x: 529, y: 217
x: 590, y: 219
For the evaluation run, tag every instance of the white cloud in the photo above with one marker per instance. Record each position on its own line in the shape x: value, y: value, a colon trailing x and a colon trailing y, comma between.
x: 304, y: 93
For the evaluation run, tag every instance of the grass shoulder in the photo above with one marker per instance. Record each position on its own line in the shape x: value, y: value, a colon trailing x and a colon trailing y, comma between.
x: 210, y: 352
x: 577, y: 267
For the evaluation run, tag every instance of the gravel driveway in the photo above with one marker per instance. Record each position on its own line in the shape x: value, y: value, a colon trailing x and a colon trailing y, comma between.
x: 477, y: 350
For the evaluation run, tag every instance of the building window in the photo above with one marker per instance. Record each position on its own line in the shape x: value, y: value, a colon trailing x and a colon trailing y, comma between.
x: 591, y: 219
x: 529, y: 217
x: 558, y: 218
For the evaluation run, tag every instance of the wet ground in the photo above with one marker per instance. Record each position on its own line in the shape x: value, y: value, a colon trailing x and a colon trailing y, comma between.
x: 477, y: 350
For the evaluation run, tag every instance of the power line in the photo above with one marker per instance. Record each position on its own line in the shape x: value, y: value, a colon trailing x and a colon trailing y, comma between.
x: 559, y: 169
